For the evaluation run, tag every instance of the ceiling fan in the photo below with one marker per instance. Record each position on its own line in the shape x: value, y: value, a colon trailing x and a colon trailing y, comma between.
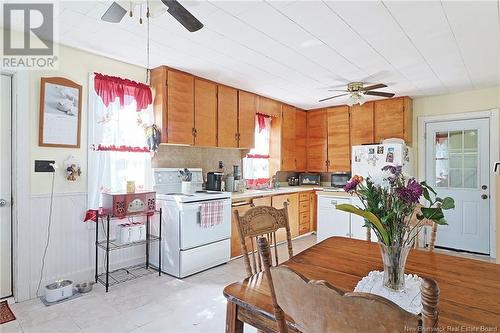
x: 117, y: 11
x: 356, y: 90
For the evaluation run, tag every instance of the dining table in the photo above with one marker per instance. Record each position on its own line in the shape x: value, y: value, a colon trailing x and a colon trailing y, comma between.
x: 469, y: 298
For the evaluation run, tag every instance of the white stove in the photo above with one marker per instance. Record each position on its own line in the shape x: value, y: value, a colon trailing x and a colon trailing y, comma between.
x: 187, y: 247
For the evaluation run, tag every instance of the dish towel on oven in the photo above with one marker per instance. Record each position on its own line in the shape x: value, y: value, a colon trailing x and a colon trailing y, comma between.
x: 212, y: 213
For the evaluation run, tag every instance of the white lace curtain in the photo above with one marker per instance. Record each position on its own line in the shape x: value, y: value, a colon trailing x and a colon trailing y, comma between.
x: 117, y: 147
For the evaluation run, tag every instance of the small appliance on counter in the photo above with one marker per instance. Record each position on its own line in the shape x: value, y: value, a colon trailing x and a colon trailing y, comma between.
x: 293, y: 181
x: 214, y: 181
x: 309, y: 179
x: 340, y: 179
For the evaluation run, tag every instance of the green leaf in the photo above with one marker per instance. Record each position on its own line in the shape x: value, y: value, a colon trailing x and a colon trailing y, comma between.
x: 441, y: 222
x: 434, y: 214
x: 426, y: 195
x: 369, y: 216
x: 424, y: 184
x: 448, y: 203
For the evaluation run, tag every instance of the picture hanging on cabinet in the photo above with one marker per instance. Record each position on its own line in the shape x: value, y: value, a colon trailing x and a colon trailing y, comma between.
x: 72, y: 167
x: 60, y: 113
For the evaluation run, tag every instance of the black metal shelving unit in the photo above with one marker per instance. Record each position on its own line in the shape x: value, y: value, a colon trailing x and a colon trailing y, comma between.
x: 111, y: 278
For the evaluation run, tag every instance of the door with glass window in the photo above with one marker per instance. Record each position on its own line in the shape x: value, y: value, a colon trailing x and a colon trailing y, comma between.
x: 457, y: 160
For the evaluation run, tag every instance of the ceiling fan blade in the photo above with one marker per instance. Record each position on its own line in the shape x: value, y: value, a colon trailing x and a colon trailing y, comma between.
x: 375, y: 86
x: 379, y: 93
x: 326, y: 99
x: 182, y: 15
x: 114, y: 13
x: 338, y: 90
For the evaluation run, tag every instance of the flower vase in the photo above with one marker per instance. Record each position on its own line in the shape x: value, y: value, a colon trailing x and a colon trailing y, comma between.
x: 394, y: 258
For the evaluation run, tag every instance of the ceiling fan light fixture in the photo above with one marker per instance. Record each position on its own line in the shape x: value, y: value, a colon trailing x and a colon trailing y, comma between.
x: 352, y: 99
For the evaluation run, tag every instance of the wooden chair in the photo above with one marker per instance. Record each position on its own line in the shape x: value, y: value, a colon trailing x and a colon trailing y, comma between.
x: 318, y: 307
x: 427, y: 223
x: 261, y: 221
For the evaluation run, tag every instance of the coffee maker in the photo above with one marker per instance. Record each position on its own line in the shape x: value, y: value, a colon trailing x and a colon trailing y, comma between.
x: 214, y: 181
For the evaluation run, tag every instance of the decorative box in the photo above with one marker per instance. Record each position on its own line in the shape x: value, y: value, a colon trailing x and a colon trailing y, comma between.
x: 123, y: 204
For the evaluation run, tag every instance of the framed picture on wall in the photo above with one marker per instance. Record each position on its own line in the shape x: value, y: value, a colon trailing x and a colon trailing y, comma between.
x: 60, y: 113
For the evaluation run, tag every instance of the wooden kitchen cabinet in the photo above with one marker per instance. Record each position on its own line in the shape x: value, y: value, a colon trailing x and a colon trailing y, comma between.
x: 293, y: 214
x: 248, y: 104
x: 393, y: 119
x: 362, y: 129
x: 304, y: 213
x: 205, y: 113
x: 270, y: 107
x: 227, y: 115
x: 339, y: 148
x: 174, y: 105
x: 288, y: 150
x: 317, y: 141
x: 300, y: 140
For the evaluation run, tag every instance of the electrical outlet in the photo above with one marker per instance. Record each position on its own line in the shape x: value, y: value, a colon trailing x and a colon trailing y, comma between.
x: 44, y: 166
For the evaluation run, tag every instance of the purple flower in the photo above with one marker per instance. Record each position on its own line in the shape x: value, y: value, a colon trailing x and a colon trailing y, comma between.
x: 411, y: 193
x: 395, y: 170
x: 350, y: 186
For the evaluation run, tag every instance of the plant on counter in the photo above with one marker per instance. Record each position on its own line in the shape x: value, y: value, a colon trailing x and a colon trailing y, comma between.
x: 391, y: 201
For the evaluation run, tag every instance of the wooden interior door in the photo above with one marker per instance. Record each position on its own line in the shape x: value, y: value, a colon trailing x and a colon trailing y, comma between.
x: 362, y: 126
x: 247, y: 108
x: 316, y: 141
x: 227, y: 102
x: 180, y: 109
x: 288, y: 152
x: 389, y: 119
x: 300, y: 140
x: 205, y: 113
x: 339, y: 148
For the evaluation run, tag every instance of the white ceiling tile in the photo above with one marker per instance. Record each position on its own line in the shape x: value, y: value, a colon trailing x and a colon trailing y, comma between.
x: 294, y: 50
x: 473, y: 25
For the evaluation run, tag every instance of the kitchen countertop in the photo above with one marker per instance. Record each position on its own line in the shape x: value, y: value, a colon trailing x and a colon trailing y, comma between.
x: 249, y: 194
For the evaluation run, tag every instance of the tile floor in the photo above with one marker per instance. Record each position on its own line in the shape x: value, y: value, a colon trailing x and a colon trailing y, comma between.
x: 150, y: 304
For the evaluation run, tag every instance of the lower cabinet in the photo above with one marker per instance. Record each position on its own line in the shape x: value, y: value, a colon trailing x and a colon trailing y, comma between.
x: 333, y: 222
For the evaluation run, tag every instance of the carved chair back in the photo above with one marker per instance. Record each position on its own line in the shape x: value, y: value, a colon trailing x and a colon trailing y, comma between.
x: 261, y: 221
x: 414, y: 222
x: 318, y: 307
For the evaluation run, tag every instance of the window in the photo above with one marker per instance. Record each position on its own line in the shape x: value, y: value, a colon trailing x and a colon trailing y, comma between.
x: 118, y: 147
x: 256, y: 163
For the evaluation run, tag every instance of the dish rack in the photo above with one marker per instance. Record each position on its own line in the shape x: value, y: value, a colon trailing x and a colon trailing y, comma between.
x: 110, y: 278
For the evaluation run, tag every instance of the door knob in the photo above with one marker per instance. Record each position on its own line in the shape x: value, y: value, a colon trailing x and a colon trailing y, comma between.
x: 3, y: 203
x: 484, y: 196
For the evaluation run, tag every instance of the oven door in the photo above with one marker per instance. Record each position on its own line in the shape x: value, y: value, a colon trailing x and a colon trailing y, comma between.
x: 193, y: 235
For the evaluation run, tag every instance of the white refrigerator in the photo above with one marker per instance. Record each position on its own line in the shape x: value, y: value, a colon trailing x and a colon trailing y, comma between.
x: 370, y: 159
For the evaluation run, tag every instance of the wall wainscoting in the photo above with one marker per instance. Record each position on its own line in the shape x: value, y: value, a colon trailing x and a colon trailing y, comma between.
x: 71, y: 250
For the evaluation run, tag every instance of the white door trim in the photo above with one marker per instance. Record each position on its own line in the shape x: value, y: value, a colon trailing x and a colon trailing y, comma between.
x: 494, y: 116
x: 21, y: 150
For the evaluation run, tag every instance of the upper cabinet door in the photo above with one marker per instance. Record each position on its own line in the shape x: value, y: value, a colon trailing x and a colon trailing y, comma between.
x: 270, y: 107
x: 227, y: 133
x: 362, y: 126
x: 339, y: 148
x: 180, y: 108
x: 205, y: 113
x: 300, y: 140
x: 288, y: 153
x: 316, y: 141
x: 247, y: 108
x: 393, y: 119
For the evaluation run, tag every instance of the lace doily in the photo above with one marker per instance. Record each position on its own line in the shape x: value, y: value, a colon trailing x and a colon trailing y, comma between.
x: 408, y: 299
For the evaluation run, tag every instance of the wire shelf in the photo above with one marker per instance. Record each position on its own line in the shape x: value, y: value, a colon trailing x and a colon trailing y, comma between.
x: 126, y: 274
x: 115, y: 245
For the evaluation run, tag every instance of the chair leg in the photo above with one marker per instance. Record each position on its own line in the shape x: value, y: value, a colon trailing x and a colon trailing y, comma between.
x: 233, y: 324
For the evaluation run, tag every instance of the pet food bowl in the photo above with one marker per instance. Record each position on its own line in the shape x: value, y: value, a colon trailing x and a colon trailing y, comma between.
x: 84, y: 287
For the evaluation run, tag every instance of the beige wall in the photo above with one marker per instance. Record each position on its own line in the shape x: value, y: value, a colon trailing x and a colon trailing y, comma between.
x: 468, y: 101
x: 75, y: 65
